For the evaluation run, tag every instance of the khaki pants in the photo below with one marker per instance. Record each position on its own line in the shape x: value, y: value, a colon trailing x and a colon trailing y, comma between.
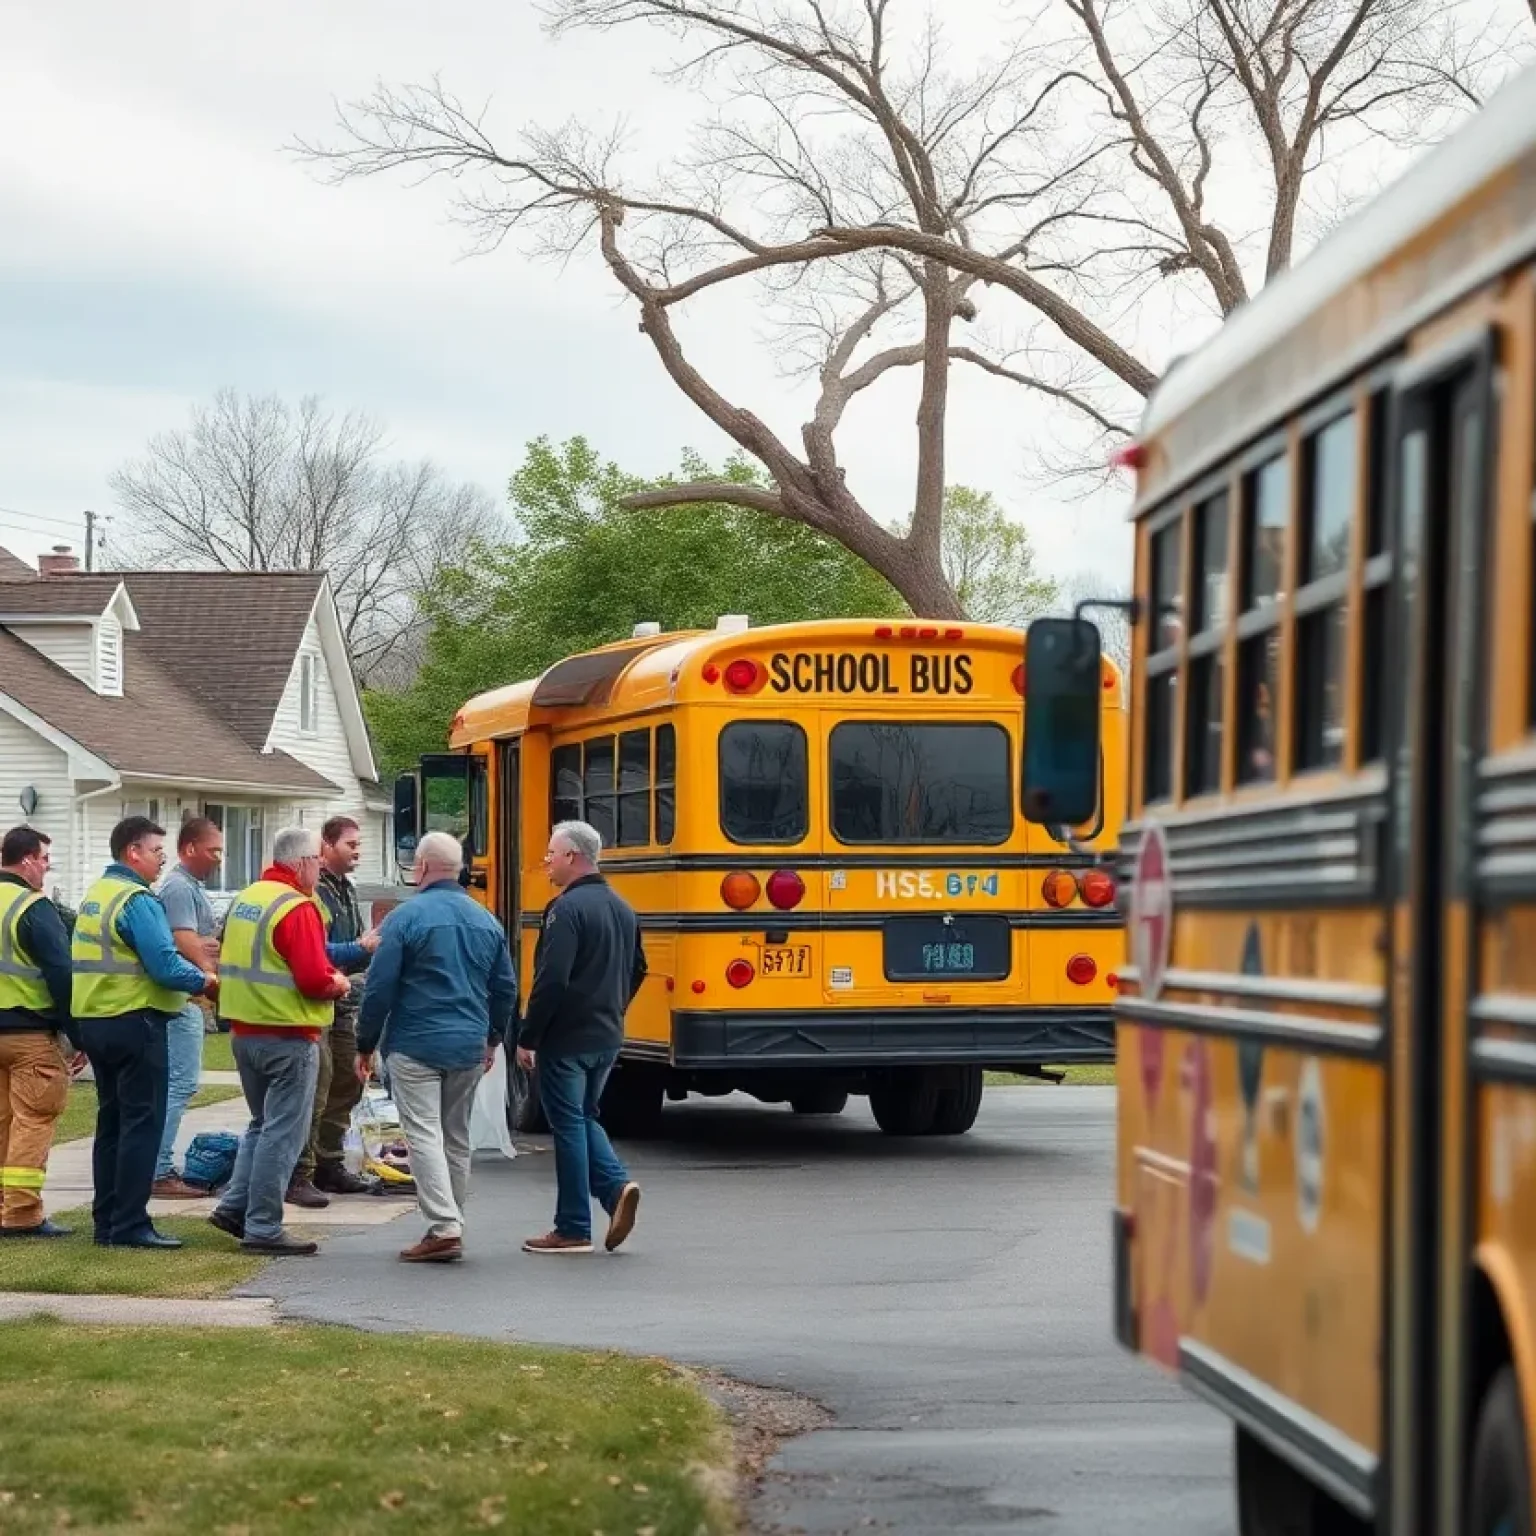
x: 34, y: 1088
x: 337, y: 1092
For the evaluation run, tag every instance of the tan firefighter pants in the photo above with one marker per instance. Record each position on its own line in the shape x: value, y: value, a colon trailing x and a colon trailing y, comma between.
x: 34, y: 1088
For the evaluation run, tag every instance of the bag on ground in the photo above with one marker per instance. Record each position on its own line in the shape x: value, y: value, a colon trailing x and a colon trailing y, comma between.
x: 210, y: 1159
x: 488, y: 1119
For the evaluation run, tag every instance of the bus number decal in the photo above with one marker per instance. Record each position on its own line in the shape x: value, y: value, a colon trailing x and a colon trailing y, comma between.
x: 917, y: 884
x: 869, y: 672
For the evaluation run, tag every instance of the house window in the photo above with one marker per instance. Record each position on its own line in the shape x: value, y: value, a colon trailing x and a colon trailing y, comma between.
x: 243, y: 827
x: 109, y: 659
x: 309, y: 694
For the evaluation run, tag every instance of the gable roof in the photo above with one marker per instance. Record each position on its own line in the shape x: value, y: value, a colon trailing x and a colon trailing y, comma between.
x: 72, y: 596
x: 199, y: 625
x: 150, y: 732
x: 14, y: 569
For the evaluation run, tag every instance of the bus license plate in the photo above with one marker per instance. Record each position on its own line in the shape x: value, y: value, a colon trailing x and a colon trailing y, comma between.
x: 967, y: 947
x: 787, y: 960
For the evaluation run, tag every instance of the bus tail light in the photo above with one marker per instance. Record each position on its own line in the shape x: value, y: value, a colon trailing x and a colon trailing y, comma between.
x: 786, y: 890
x: 1097, y: 887
x: 1080, y: 970
x: 739, y: 973
x: 1018, y: 679
x: 740, y: 889
x: 1058, y: 888
x: 743, y: 676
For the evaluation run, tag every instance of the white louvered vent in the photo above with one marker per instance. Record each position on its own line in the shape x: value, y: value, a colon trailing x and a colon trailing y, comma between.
x: 109, y: 659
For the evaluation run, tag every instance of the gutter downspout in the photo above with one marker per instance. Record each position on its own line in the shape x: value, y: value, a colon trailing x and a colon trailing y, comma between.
x: 84, y: 830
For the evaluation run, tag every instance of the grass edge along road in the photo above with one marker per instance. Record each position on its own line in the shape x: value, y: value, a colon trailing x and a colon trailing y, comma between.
x: 331, y: 1430
x: 1099, y: 1075
x: 79, y: 1118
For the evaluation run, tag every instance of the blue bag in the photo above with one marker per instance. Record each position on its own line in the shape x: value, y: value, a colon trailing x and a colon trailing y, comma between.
x: 210, y: 1160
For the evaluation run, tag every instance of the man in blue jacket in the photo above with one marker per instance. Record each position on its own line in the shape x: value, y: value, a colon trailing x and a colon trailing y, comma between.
x: 130, y: 981
x: 441, y: 994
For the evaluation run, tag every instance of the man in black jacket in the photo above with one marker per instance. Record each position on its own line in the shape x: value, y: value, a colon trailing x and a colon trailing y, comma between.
x: 34, y: 1016
x: 588, y: 966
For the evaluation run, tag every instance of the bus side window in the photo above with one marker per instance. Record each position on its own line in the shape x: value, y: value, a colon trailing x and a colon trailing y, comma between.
x: 634, y: 789
x: 1167, y: 624
x: 565, y: 784
x: 599, y: 788
x: 1378, y: 577
x: 666, y: 784
x: 1208, y: 628
x: 1266, y: 514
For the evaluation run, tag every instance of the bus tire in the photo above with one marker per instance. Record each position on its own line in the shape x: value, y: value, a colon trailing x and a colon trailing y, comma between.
x: 632, y: 1100
x: 906, y: 1104
x: 1274, y: 1499
x: 1499, y: 1485
x: 819, y: 1101
x: 959, y: 1102
x: 525, y: 1112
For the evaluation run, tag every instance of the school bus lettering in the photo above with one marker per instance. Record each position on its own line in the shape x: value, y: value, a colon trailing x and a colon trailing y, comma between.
x: 870, y: 672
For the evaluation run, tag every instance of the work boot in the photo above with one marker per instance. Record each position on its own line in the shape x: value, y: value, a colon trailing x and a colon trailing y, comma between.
x: 338, y: 1179
x: 302, y: 1193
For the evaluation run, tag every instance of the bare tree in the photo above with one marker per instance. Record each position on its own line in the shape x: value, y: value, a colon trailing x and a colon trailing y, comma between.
x: 871, y: 190
x: 1114, y: 623
x: 253, y: 484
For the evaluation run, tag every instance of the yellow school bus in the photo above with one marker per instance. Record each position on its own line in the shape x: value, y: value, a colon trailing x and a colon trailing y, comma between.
x: 819, y: 827
x: 1325, y: 1211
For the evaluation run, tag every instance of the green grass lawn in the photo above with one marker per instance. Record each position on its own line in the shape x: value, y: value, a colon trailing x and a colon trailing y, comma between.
x: 209, y: 1265
x: 79, y: 1117
x: 184, y: 1432
x: 218, y: 1053
x: 1101, y: 1076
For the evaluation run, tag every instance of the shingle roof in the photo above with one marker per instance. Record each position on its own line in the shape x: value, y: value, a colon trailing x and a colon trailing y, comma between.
x: 12, y: 569
x: 154, y: 730
x: 53, y: 595
x: 229, y: 637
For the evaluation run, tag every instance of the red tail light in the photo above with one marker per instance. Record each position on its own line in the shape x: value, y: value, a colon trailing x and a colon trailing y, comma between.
x: 1081, y: 970
x: 711, y: 672
x: 739, y: 890
x: 786, y: 890
x: 739, y: 973
x: 1098, y: 887
x: 742, y: 675
x: 1018, y: 680
x: 1058, y: 888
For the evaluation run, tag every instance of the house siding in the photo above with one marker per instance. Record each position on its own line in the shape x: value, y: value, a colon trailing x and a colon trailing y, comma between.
x: 71, y: 646
x: 27, y: 759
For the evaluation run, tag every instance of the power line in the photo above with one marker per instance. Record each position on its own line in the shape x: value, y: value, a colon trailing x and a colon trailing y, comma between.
x: 46, y: 519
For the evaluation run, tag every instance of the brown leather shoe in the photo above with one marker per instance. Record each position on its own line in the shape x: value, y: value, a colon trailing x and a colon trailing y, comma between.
x: 557, y: 1242
x: 302, y: 1193
x: 434, y: 1250
x: 622, y: 1222
x: 174, y: 1188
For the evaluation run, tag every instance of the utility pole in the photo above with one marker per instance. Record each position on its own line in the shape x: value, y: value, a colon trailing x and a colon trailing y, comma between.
x: 90, y: 540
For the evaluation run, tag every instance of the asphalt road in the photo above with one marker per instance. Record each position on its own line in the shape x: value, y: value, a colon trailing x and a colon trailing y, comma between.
x: 947, y: 1300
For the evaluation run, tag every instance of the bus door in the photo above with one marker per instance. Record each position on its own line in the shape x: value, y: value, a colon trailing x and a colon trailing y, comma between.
x: 1441, y: 449
x: 454, y: 797
x: 508, y: 837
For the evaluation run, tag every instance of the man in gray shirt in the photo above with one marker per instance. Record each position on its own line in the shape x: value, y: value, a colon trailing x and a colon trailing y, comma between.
x: 199, y: 848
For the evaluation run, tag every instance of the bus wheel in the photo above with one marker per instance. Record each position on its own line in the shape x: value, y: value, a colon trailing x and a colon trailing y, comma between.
x: 905, y: 1105
x: 525, y: 1114
x: 1274, y: 1499
x: 819, y: 1101
x: 1500, y: 1483
x: 632, y: 1101
x: 958, y: 1103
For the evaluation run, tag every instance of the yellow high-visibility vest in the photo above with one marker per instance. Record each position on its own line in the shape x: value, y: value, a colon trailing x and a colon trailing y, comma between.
x: 255, y: 984
x: 109, y: 977
x: 21, y: 980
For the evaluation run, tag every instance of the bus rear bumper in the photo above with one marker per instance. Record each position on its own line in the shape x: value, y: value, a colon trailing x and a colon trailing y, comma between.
x: 843, y: 1037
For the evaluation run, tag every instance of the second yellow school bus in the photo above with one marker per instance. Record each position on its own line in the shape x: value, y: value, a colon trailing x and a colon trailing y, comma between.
x: 819, y: 826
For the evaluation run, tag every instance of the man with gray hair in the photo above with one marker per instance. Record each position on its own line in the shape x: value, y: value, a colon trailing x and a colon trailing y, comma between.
x: 441, y: 994
x: 587, y: 969
x: 278, y: 989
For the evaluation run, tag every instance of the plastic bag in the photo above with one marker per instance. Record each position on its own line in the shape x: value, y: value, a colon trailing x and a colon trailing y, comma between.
x: 488, y: 1118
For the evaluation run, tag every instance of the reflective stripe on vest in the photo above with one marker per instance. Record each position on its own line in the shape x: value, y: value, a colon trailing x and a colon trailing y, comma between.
x: 109, y: 977
x: 21, y: 982
x: 255, y: 983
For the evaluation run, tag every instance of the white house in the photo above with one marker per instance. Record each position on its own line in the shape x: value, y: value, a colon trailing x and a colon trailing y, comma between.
x: 173, y: 694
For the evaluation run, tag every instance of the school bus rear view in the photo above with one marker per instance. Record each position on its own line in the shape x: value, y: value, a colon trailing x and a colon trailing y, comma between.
x: 819, y: 828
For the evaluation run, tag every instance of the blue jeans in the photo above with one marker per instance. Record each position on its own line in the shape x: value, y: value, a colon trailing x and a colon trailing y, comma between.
x: 184, y: 1047
x: 570, y: 1088
x: 278, y: 1075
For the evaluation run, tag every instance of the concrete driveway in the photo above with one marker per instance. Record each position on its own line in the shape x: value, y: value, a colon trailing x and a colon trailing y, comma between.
x: 947, y: 1300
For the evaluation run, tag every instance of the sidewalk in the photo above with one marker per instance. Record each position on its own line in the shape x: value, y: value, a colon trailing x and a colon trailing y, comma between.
x: 132, y: 1311
x: 70, y: 1184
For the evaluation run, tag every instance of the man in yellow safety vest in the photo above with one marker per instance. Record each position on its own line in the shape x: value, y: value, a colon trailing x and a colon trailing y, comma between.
x: 34, y: 1018
x: 278, y: 992
x: 129, y: 982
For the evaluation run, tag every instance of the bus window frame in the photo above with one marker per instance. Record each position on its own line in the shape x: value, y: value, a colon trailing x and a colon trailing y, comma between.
x: 1211, y: 640
x: 1169, y: 661
x: 759, y: 842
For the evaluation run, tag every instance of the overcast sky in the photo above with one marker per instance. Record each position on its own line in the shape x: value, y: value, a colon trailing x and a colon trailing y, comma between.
x: 157, y: 244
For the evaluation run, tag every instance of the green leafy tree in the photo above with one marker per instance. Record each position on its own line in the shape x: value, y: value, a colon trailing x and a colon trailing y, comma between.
x: 582, y: 571
x: 990, y: 562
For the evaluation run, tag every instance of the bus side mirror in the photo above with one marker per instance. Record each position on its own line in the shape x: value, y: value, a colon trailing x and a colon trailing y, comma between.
x: 1063, y: 697
x: 407, y: 820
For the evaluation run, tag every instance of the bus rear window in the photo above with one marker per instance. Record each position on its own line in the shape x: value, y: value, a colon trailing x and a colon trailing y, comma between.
x: 764, y: 779
x: 920, y: 783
